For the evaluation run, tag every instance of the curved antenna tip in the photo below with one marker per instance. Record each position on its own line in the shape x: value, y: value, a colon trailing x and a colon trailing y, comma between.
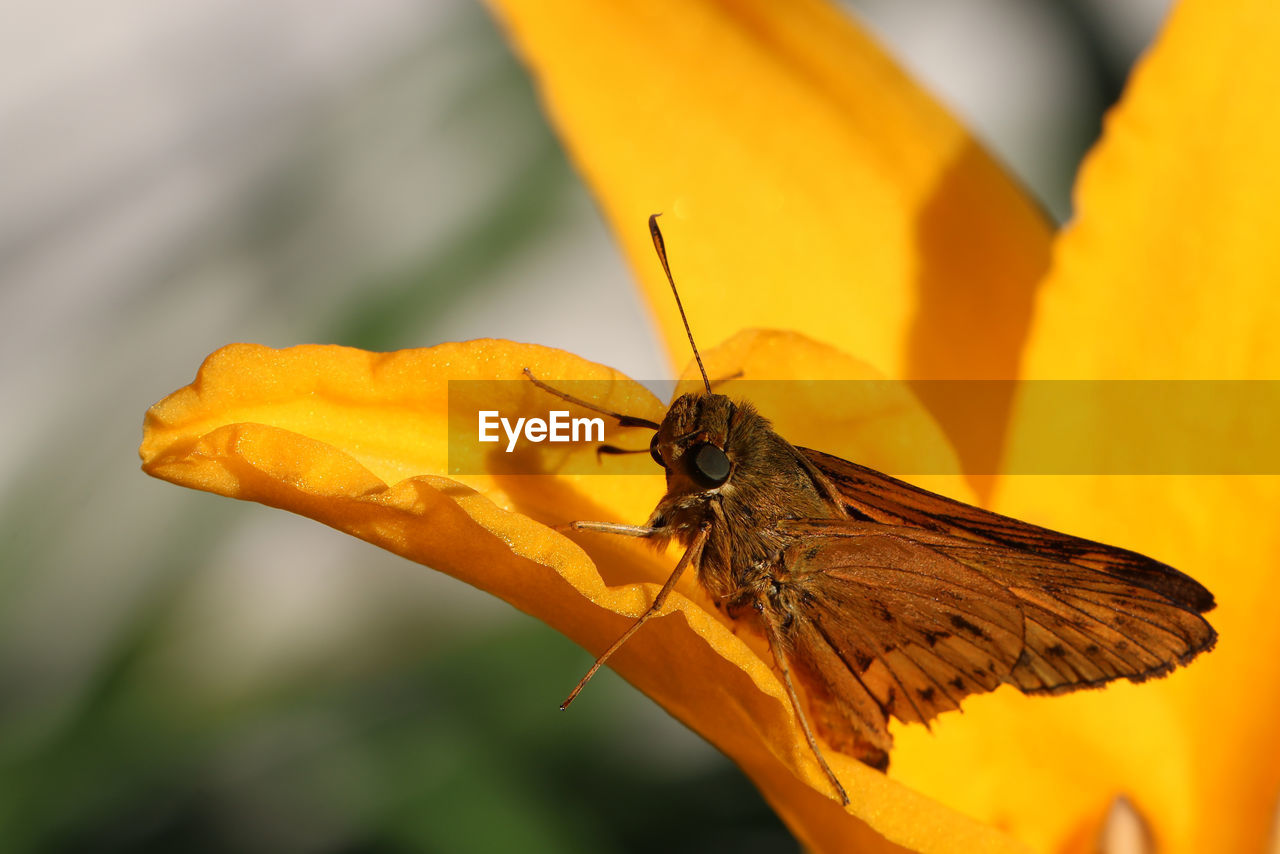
x: 659, y: 246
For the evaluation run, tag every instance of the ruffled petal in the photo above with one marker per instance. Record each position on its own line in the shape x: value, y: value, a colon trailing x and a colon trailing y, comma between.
x: 358, y: 441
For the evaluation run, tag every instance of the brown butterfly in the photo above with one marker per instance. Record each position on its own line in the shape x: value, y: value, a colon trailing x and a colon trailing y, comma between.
x: 882, y: 599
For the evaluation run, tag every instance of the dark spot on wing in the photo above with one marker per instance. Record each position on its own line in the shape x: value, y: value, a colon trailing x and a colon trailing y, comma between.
x: 926, y: 694
x: 965, y: 626
x: 857, y: 514
x: 932, y: 638
x: 1057, y: 650
x: 958, y: 683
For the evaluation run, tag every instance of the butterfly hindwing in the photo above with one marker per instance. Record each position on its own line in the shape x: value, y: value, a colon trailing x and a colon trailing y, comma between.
x: 913, y: 628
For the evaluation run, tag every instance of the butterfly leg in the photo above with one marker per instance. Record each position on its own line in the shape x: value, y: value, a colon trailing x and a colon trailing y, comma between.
x: 614, y: 451
x: 614, y: 528
x: 776, y: 647
x: 623, y: 420
x: 691, y: 555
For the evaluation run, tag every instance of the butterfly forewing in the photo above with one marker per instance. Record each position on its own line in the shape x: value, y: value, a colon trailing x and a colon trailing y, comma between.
x: 886, y: 499
x: 1090, y: 613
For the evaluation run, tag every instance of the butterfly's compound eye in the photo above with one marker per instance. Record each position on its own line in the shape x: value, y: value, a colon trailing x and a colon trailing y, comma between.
x: 708, y: 464
x: 654, y: 452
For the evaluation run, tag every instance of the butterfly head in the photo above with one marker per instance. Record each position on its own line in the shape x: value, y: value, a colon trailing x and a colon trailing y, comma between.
x: 692, y: 443
x: 714, y: 447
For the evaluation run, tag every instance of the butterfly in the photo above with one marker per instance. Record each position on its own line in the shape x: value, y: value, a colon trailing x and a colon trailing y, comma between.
x: 883, y: 600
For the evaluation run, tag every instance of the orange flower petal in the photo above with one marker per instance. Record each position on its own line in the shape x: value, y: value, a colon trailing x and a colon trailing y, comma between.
x: 1169, y: 272
x: 356, y: 439
x: 790, y: 156
x: 1170, y: 268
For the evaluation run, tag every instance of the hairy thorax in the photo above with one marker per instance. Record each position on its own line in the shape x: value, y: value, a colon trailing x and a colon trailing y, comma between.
x: 769, y: 482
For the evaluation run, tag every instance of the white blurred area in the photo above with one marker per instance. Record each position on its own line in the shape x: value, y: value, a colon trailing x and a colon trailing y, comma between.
x: 1018, y: 73
x: 177, y: 176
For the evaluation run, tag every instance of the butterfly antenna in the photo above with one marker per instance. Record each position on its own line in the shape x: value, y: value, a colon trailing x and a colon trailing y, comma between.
x: 661, y: 248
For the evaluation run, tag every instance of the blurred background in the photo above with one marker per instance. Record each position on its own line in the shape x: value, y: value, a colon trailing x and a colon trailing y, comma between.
x: 181, y: 672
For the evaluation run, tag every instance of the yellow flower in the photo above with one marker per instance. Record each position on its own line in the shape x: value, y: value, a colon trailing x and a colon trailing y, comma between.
x: 810, y: 187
